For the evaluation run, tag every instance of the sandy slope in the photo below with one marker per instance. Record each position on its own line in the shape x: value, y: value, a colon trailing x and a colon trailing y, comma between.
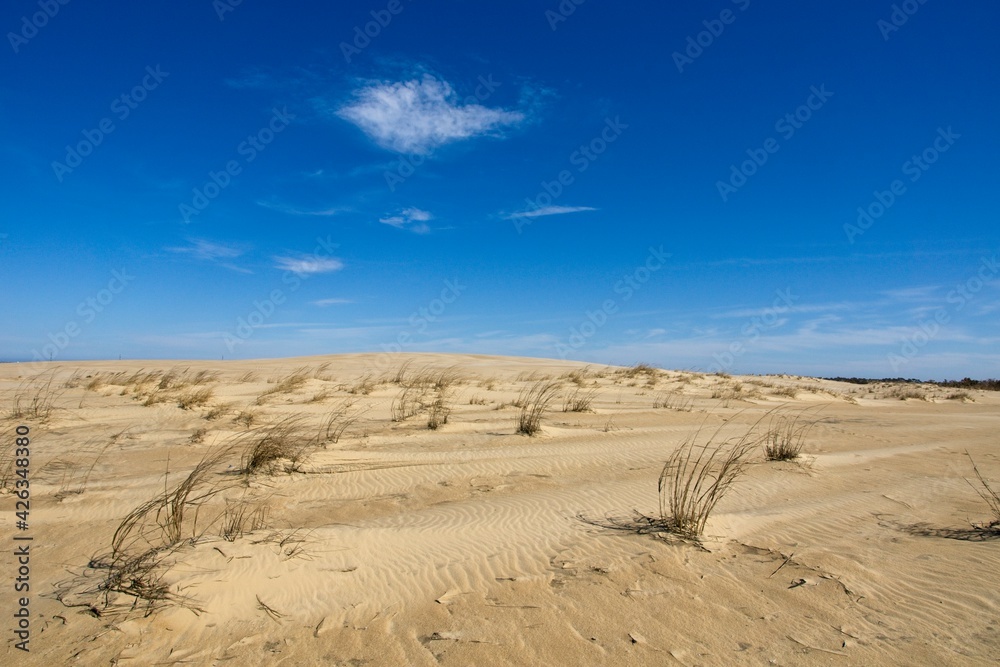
x: 471, y: 544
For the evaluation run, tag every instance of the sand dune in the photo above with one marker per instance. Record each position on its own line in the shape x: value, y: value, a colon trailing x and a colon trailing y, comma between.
x: 399, y: 544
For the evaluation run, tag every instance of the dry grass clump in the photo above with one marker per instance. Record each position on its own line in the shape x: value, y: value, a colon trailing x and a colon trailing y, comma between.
x: 577, y: 377
x: 242, y: 516
x: 400, y: 377
x: 246, y: 417
x: 785, y: 392
x: 437, y: 413
x: 478, y: 400
x: 337, y: 422
x: 960, y: 396
x: 903, y: 393
x: 991, y: 497
x: 148, y: 538
x: 639, y: 369
x: 195, y: 398
x: 579, y: 401
x: 785, y: 436
x: 428, y: 391
x: 286, y: 385
x: 673, y: 400
x: 218, y: 411
x: 729, y: 394
x: 364, y: 385
x: 7, y: 459
x: 408, y: 403
x: 696, y: 477
x: 533, y: 402
x: 266, y: 447
x: 35, y: 398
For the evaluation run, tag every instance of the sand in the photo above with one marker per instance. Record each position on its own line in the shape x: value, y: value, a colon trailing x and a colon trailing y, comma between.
x: 471, y: 544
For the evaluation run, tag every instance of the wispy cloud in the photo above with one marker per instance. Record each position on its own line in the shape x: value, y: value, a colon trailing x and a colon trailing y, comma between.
x: 411, y: 219
x: 549, y: 210
x: 308, y: 264
x: 322, y: 303
x: 207, y: 251
x: 419, y: 115
x: 291, y: 210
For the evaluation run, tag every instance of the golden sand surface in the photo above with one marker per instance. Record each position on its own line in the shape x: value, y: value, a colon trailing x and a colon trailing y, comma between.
x: 379, y: 540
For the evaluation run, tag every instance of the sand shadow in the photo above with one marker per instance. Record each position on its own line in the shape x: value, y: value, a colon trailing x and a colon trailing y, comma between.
x: 640, y: 524
x: 974, y: 533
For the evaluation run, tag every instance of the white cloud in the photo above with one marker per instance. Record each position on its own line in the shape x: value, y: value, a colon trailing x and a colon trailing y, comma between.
x: 202, y: 249
x: 419, y: 115
x: 216, y: 253
x: 550, y: 210
x: 412, y: 219
x: 308, y: 264
x: 331, y: 302
x: 290, y: 210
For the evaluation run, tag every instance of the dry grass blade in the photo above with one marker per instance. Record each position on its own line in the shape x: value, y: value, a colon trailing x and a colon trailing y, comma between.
x: 241, y: 517
x: 991, y: 497
x: 533, y: 403
x: 338, y: 421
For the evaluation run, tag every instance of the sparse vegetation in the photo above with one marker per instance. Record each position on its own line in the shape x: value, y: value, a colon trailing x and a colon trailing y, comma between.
x: 364, y: 386
x: 696, y: 477
x: 34, y: 398
x: 579, y: 401
x: 989, y: 496
x: 533, y: 403
x: 218, y: 411
x: 242, y: 516
x: 196, y: 398
x: 246, y: 417
x: 673, y: 400
x: 438, y: 411
x: 265, y: 447
x: 286, y: 385
x: 903, y: 393
x: 785, y: 436
x: 337, y: 422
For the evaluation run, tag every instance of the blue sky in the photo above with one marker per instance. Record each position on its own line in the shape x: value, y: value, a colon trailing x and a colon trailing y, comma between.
x: 732, y: 185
